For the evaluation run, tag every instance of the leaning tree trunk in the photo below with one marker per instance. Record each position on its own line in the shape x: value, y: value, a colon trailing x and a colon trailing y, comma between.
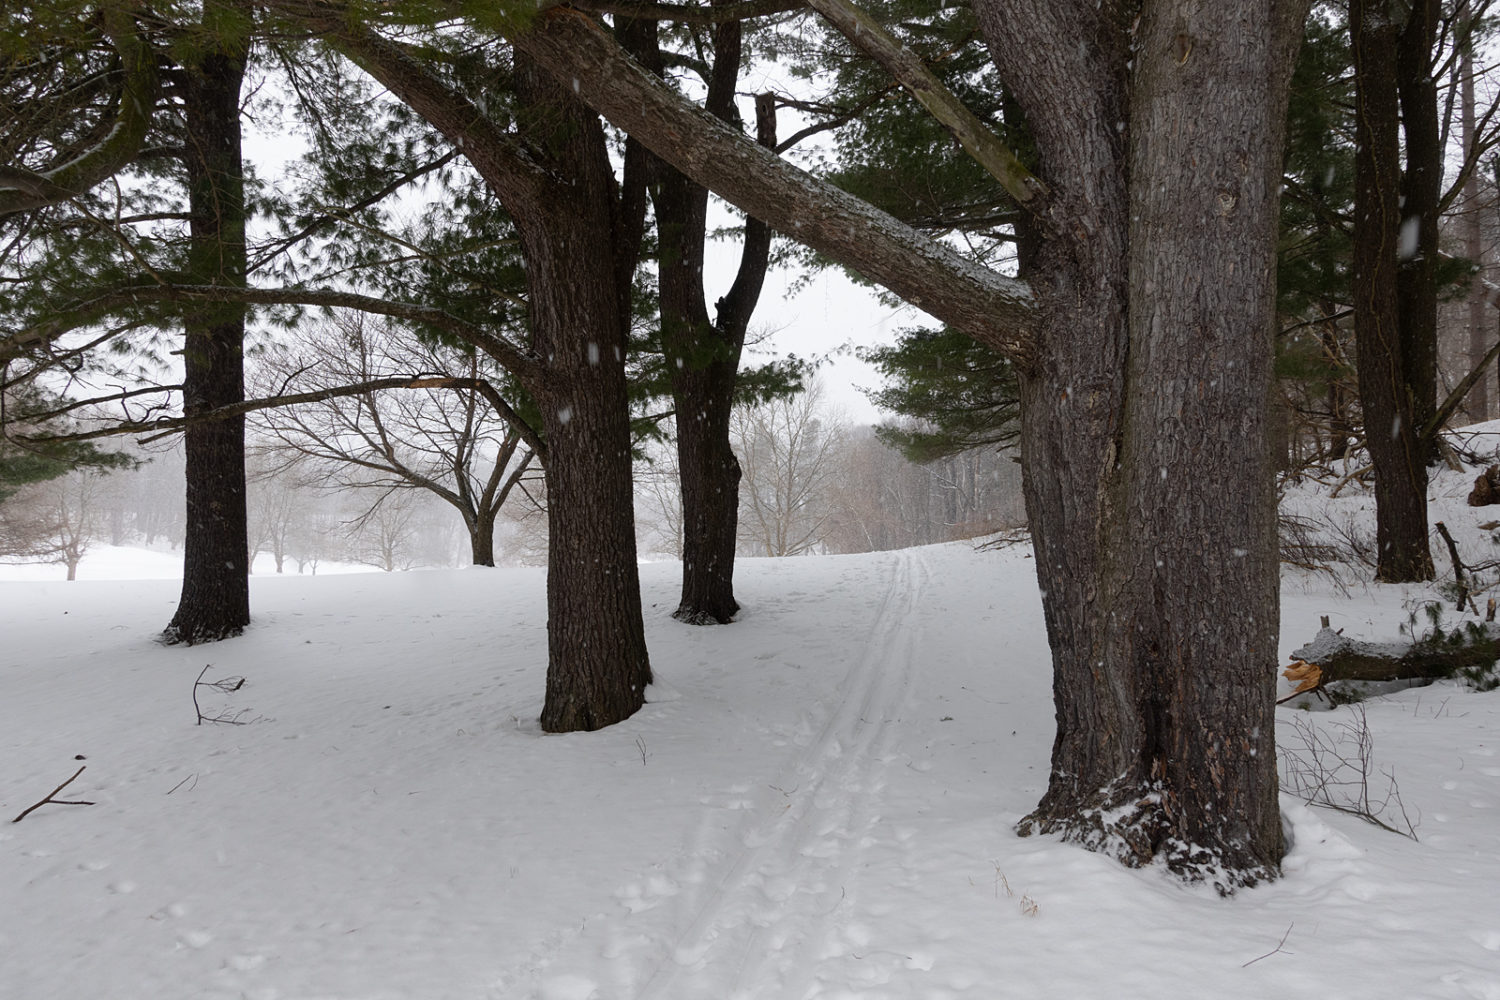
x: 215, y: 602
x: 1391, y: 431
x: 597, y: 669
x: 1145, y: 422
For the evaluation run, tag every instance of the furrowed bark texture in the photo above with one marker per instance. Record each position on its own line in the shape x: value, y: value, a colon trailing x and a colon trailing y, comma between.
x: 598, y: 668
x: 1145, y: 438
x: 1207, y: 123
x: 1072, y: 396
x: 215, y: 602
x: 1392, y: 433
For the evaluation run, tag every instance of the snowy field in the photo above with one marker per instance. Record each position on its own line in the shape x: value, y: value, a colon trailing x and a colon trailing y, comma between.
x: 818, y: 802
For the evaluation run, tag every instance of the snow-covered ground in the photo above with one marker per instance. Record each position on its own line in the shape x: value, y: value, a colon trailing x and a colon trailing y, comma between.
x: 818, y: 802
x: 123, y: 562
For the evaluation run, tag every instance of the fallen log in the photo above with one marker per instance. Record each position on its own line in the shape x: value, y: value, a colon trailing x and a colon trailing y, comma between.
x: 1470, y: 650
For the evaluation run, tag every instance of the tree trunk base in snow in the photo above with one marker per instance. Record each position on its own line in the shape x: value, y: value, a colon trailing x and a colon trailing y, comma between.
x: 1134, y: 824
x: 705, y: 616
x: 191, y: 635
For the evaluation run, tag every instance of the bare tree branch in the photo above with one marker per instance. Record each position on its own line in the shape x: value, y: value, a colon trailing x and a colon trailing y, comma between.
x: 160, y: 427
x: 54, y: 801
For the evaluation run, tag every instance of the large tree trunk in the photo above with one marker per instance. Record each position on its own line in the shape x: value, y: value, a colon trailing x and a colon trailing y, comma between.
x: 1392, y: 433
x: 703, y: 355
x: 1207, y: 119
x: 702, y: 367
x: 579, y: 242
x: 1143, y: 335
x: 597, y: 669
x: 215, y: 601
x: 1145, y: 436
x: 710, y: 483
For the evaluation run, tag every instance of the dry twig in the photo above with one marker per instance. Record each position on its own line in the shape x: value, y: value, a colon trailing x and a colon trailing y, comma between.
x: 227, y: 685
x: 1274, y: 951
x: 55, y: 801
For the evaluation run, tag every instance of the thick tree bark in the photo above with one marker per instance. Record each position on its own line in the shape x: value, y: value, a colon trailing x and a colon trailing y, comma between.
x: 1144, y: 430
x: 1392, y: 432
x: 1072, y: 398
x: 215, y: 602
x: 1147, y: 333
x: 1207, y: 119
x: 598, y: 668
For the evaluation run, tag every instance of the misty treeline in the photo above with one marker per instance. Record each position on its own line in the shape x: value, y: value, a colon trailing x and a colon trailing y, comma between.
x: 370, y: 480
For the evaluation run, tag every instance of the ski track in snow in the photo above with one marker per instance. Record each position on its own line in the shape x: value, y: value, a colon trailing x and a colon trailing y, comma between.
x: 755, y: 911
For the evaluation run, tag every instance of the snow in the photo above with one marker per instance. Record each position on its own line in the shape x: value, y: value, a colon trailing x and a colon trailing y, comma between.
x: 122, y: 562
x: 818, y: 801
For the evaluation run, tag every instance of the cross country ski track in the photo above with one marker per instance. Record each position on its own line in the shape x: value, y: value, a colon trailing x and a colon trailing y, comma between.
x: 756, y: 908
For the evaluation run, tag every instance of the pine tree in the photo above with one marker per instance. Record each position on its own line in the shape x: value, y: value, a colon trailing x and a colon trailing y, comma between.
x: 1164, y: 746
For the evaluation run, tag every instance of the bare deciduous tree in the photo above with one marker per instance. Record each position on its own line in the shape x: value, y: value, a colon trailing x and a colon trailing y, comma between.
x: 658, y: 500
x: 54, y: 521
x: 883, y: 500
x: 791, y: 452
x: 448, y: 442
x: 383, y: 534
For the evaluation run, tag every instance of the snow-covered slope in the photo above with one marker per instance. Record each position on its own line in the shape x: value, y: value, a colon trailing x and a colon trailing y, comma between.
x: 818, y: 802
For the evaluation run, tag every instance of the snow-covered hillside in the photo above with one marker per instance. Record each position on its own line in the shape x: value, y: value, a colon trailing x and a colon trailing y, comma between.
x: 817, y: 802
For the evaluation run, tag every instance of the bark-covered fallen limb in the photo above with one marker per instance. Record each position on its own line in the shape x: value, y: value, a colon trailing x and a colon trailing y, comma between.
x: 1332, y: 658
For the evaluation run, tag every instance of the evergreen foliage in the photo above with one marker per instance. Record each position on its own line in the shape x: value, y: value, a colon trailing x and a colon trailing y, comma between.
x: 23, y: 463
x: 958, y: 393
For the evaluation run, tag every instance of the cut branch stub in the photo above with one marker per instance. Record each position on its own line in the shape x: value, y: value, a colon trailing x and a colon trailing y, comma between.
x: 1332, y: 658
